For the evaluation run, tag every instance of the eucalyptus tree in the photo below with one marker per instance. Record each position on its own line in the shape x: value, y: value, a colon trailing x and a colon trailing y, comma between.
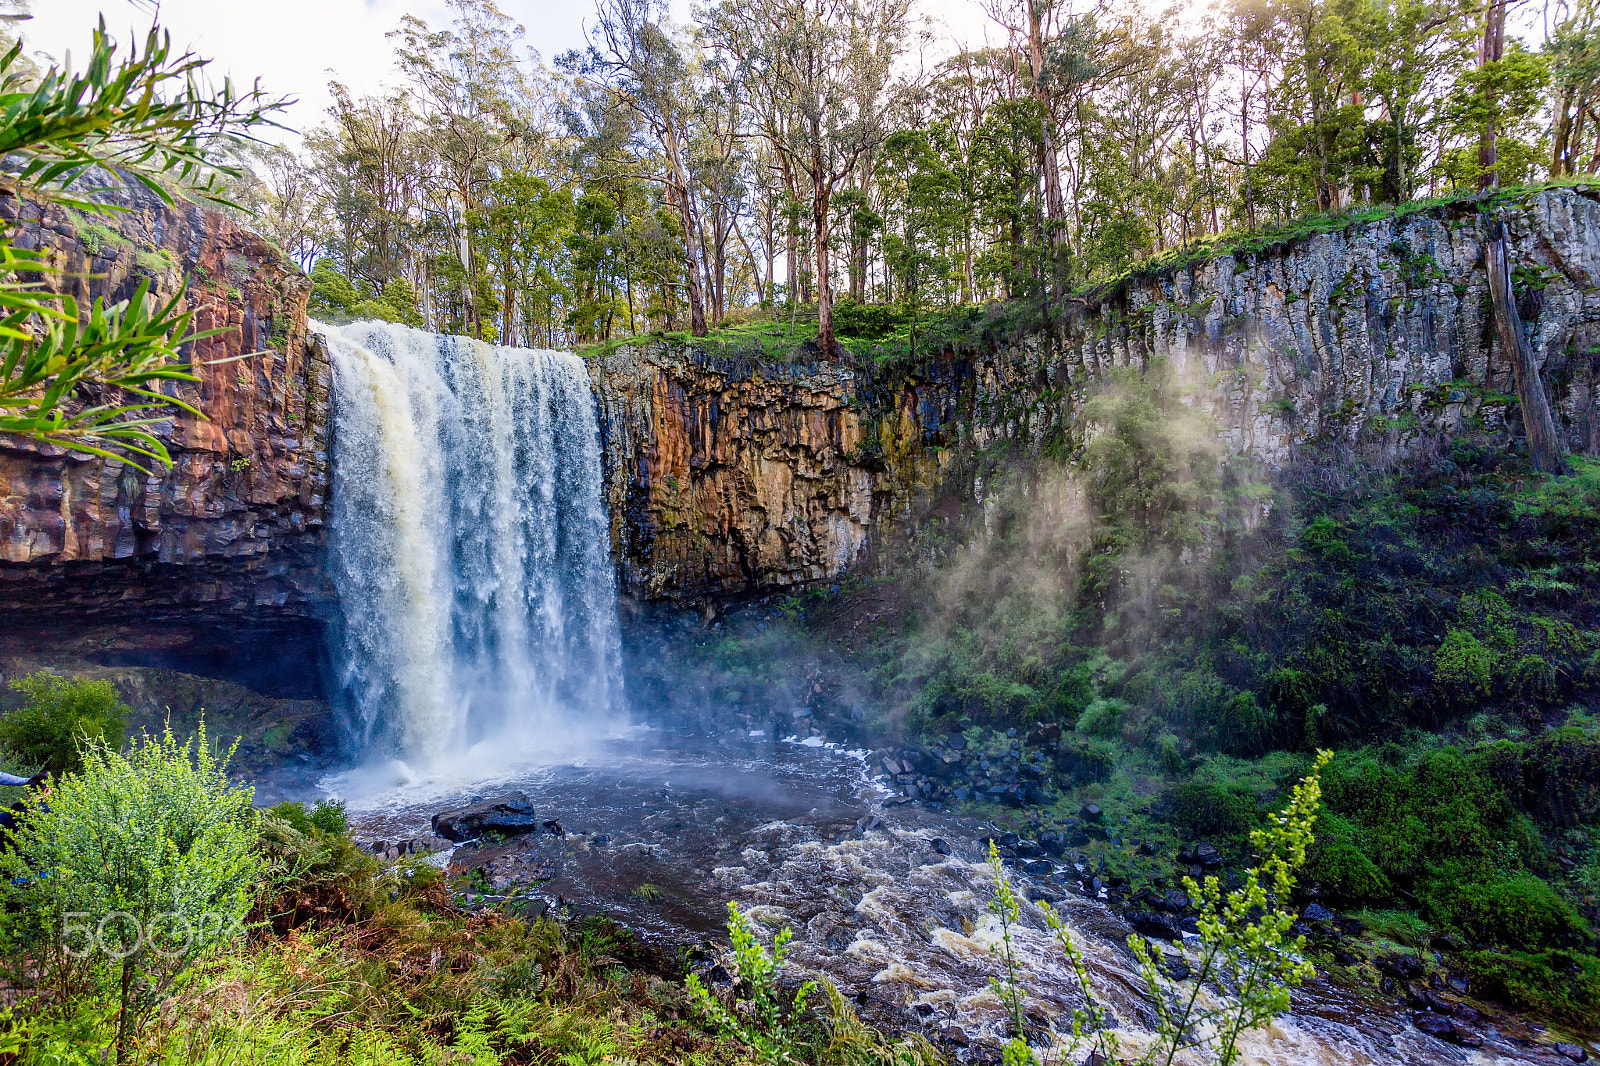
x: 648, y: 74
x: 831, y: 67
x: 469, y: 84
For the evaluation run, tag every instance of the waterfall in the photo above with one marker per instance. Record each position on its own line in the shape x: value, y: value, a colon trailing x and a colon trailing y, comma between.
x: 471, y: 548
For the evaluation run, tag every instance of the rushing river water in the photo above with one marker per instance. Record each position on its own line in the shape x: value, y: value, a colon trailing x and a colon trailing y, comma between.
x: 890, y: 902
x: 480, y: 655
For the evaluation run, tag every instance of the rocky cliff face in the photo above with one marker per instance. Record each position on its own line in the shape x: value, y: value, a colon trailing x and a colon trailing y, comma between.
x: 729, y: 476
x: 231, y: 536
x: 726, y: 476
x: 734, y: 477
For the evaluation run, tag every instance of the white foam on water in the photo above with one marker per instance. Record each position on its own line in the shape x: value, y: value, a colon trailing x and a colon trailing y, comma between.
x: 472, y: 559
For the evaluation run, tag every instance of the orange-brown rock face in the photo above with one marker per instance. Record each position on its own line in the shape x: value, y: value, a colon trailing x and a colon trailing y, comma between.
x: 726, y: 477
x: 233, y: 530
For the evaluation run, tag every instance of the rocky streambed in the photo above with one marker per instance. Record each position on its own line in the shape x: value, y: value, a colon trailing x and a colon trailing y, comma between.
x: 887, y: 897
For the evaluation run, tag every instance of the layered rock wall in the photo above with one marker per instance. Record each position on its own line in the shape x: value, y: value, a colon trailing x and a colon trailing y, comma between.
x: 728, y: 476
x: 232, y: 534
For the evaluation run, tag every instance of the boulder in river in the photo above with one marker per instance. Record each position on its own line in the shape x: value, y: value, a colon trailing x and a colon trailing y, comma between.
x: 508, y: 815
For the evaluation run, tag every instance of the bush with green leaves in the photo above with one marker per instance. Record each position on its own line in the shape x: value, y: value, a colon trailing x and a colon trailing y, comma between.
x: 140, y: 865
x: 61, y: 715
x: 769, y: 1022
x: 1247, y: 963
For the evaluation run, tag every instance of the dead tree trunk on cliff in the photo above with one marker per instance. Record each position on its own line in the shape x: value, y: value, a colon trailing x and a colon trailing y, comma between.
x: 1544, y: 446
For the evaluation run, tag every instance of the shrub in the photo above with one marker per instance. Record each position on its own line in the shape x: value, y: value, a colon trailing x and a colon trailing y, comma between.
x: 1564, y: 984
x: 1341, y: 868
x: 1463, y: 665
x: 61, y: 715
x: 1206, y: 809
x: 140, y: 865
x: 1519, y: 911
x: 1102, y: 718
x: 326, y: 817
x: 769, y: 1024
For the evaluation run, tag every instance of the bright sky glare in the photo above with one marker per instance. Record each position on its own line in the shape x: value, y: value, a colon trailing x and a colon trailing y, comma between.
x: 296, y: 46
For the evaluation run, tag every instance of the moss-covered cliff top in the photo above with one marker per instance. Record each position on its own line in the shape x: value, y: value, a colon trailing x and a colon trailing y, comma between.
x: 879, y: 334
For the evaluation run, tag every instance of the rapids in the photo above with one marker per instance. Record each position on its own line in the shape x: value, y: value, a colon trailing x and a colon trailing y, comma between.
x: 889, y: 901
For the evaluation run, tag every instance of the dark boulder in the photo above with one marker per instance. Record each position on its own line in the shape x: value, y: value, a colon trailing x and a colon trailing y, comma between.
x: 1405, y: 967
x: 509, y: 815
x: 1153, y: 924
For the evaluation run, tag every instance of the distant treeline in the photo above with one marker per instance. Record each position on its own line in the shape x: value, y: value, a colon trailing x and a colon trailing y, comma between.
x: 774, y: 153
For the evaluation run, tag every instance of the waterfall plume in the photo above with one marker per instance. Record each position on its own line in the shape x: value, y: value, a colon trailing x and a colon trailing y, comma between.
x: 471, y: 548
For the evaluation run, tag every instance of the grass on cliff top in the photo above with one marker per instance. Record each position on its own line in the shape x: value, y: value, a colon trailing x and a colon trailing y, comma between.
x: 890, y: 334
x: 868, y: 334
x: 1266, y: 238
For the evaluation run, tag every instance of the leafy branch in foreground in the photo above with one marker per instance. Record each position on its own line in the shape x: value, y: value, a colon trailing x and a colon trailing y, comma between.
x: 1247, y: 962
x: 147, y: 117
x: 770, y: 1026
x: 1245, y: 944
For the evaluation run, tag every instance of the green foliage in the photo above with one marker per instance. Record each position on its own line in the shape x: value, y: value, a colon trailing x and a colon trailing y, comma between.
x: 1463, y: 665
x: 1520, y: 911
x: 1245, y: 942
x: 1245, y: 948
x: 1562, y: 983
x: 62, y: 715
x: 326, y: 817
x: 1204, y: 809
x: 140, y: 865
x: 147, y: 117
x: 770, y: 1022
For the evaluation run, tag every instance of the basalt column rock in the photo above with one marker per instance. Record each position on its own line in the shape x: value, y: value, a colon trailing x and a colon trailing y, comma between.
x: 228, y: 542
x: 725, y: 476
x: 735, y: 476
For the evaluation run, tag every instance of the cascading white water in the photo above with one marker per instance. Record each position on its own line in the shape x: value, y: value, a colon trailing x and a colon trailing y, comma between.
x: 471, y: 546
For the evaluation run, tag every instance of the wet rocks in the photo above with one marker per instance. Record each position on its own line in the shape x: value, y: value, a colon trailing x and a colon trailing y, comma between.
x: 1202, y: 855
x: 509, y: 815
x: 1573, y: 1052
x: 1154, y: 924
x: 1446, y: 1029
x: 1403, y: 967
x: 391, y: 851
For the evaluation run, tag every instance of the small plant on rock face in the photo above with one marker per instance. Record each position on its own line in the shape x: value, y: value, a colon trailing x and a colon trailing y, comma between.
x: 770, y: 1025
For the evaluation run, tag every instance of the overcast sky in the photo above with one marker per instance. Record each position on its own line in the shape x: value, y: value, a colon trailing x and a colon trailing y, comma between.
x: 295, y: 46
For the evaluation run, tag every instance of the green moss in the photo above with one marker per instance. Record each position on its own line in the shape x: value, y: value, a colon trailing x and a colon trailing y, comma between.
x: 1564, y: 984
x: 1203, y: 809
x: 1462, y: 664
x: 1513, y: 911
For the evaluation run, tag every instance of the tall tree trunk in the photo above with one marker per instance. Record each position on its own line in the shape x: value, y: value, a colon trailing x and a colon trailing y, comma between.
x: 1050, y: 165
x: 819, y: 221
x: 1544, y: 445
x: 1490, y: 49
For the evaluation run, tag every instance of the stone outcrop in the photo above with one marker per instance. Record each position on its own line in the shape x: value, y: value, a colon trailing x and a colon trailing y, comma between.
x: 734, y: 476
x: 730, y: 476
x: 232, y: 534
